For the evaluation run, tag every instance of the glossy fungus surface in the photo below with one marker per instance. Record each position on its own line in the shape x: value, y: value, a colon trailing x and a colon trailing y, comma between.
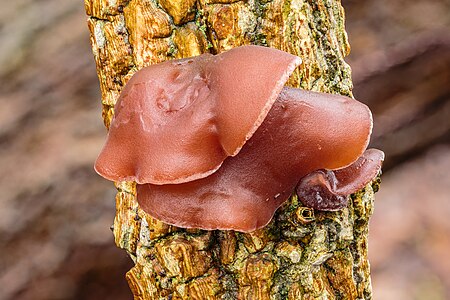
x: 303, y: 132
x: 177, y: 121
x: 329, y: 190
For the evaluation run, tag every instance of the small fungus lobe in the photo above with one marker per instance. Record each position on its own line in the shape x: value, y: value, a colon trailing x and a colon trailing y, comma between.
x: 329, y: 190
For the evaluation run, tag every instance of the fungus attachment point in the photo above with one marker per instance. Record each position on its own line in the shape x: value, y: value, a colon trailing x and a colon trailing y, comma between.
x: 329, y: 190
x: 177, y: 121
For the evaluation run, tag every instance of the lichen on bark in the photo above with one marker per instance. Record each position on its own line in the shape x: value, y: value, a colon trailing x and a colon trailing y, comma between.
x: 301, y: 254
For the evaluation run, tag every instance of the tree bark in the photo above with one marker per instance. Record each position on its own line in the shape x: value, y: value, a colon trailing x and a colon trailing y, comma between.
x: 301, y: 254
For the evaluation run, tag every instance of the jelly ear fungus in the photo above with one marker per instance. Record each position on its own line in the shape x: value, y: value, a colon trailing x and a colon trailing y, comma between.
x: 217, y: 142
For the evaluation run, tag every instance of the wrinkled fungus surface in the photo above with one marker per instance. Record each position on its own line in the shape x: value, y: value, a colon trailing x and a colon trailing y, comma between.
x: 329, y: 190
x: 177, y: 121
x: 303, y: 132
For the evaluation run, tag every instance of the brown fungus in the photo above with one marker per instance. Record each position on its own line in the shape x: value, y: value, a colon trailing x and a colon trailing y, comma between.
x: 177, y: 121
x: 303, y: 132
x: 329, y: 190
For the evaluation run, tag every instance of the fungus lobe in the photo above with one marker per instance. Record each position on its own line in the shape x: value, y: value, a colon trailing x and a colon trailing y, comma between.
x: 329, y: 189
x: 177, y: 121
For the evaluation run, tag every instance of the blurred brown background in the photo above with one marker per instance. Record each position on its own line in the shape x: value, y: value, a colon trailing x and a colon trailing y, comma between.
x: 55, y: 213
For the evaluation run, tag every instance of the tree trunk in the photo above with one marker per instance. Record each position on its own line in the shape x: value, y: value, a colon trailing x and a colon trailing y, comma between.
x: 301, y: 254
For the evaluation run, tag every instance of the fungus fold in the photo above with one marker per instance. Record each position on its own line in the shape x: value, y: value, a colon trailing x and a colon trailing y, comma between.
x: 217, y: 142
x: 329, y: 189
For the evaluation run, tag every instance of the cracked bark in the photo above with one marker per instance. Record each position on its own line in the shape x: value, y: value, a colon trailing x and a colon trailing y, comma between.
x: 301, y: 254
